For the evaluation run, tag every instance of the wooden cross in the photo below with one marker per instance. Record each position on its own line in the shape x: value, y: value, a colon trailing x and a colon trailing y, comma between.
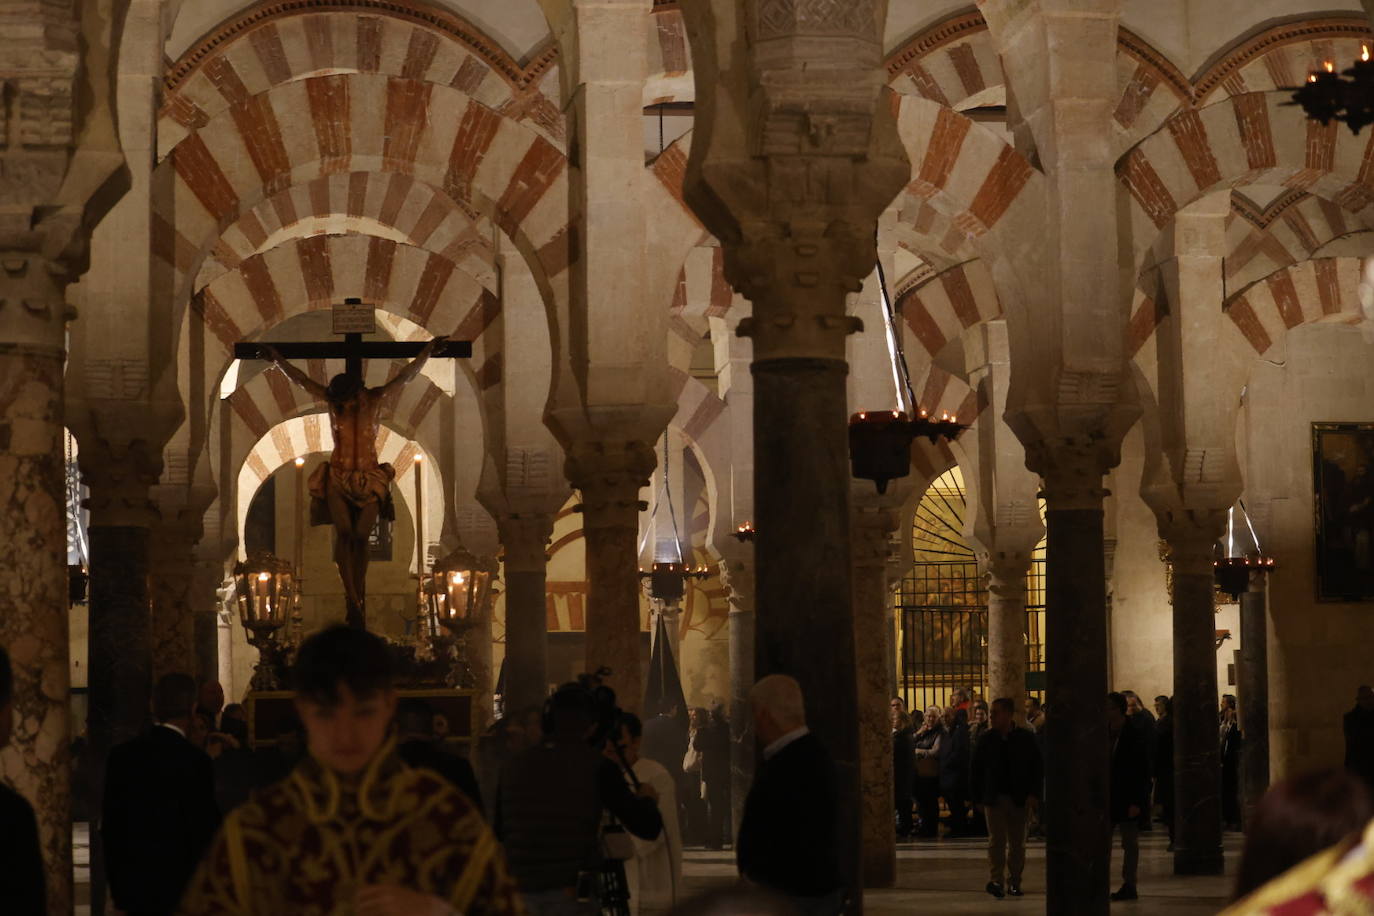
x: 354, y: 349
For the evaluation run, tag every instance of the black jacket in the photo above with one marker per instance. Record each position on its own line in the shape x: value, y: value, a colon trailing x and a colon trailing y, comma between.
x: 903, y: 763
x: 548, y: 813
x: 159, y: 817
x: 1006, y: 765
x: 1359, y: 743
x: 455, y: 770
x: 21, y: 858
x: 1130, y: 779
x: 954, y: 759
x: 787, y: 839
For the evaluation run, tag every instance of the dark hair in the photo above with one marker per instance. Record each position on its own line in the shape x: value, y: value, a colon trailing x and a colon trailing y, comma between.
x: 6, y: 678
x: 1007, y: 704
x: 343, y: 386
x: 570, y: 711
x: 1118, y: 700
x: 341, y: 655
x: 983, y: 705
x: 1298, y: 818
x: 1228, y: 700
x: 1168, y: 703
x: 174, y: 696
x: 633, y: 726
x: 414, y: 716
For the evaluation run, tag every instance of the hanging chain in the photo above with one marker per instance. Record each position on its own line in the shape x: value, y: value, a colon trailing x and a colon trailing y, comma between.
x: 890, y: 314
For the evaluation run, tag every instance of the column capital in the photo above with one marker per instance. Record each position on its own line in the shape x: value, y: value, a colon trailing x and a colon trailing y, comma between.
x: 610, y: 475
x: 525, y: 540
x: 871, y: 543
x: 738, y: 578
x: 33, y: 309
x: 120, y: 475
x: 1192, y: 535
x: 1006, y: 571
x: 1071, y: 469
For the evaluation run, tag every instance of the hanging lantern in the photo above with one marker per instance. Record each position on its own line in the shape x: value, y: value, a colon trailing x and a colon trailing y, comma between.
x: 880, y: 442
x: 668, y: 581
x: 744, y: 533
x: 1232, y: 574
x: 457, y: 589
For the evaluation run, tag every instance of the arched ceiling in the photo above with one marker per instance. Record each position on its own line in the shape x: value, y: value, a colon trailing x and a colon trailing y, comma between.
x: 518, y: 26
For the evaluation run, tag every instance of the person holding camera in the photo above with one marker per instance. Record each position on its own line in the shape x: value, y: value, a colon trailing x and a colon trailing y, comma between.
x: 551, y: 800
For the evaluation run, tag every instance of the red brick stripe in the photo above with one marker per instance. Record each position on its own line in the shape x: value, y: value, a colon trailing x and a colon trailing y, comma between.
x: 197, y: 167
x: 1252, y: 121
x: 476, y: 131
x: 1190, y: 136
x: 722, y: 296
x: 226, y: 79
x: 1147, y: 189
x: 419, y: 53
x: 1005, y: 180
x: 536, y: 173
x: 706, y: 413
x: 319, y: 38
x: 312, y: 433
x: 672, y: 43
x: 258, y: 280
x: 257, y: 466
x: 1136, y: 95
x: 430, y: 219
x: 490, y: 373
x: 318, y: 191
x: 1243, y: 314
x: 282, y: 392
x: 316, y: 270
x: 956, y: 286
x: 918, y: 318
x: 1285, y: 298
x: 937, y: 382
x: 185, y: 112
x: 282, y: 441
x: 397, y: 188
x: 249, y: 413
x: 946, y: 140
x: 407, y: 116
x: 1143, y: 323
x: 433, y: 278
x: 357, y: 193
x: 213, y: 314
x: 252, y: 229
x: 966, y: 67
x: 470, y: 75
x: 266, y: 42
x: 1279, y: 67
x: 330, y: 114
x: 925, y: 84
x: 257, y: 126
x: 479, y: 317
x: 422, y: 407
x: 369, y: 44
x: 1328, y: 285
x: 381, y: 254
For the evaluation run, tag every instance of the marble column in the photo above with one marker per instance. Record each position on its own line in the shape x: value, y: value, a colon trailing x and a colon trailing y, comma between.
x: 525, y: 540
x: 1197, y: 754
x: 1007, y: 626
x: 33, y: 580
x: 1078, y: 850
x: 172, y: 627
x: 1253, y: 688
x: 738, y: 578
x: 204, y: 607
x: 610, y: 476
x: 872, y: 549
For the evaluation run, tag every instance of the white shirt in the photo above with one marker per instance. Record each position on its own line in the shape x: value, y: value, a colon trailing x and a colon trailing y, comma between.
x: 655, y: 873
x: 773, y: 749
x: 173, y: 728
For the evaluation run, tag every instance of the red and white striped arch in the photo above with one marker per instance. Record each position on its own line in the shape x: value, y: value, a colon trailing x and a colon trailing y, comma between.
x: 943, y: 307
x: 1291, y: 229
x: 1280, y: 57
x: 1319, y: 290
x: 363, y: 123
x: 314, y: 273
x: 670, y: 58
x: 392, y: 205
x: 285, y: 40
x: 1243, y: 140
x: 702, y: 293
x: 955, y: 63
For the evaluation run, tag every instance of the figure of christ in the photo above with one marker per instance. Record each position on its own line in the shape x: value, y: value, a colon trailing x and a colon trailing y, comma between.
x: 353, y: 486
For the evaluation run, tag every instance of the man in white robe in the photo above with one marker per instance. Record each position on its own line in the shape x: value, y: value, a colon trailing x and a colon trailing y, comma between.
x: 655, y: 872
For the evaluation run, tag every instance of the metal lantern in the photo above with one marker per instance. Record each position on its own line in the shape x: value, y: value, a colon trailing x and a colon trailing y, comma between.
x: 1347, y: 97
x: 1232, y: 574
x: 668, y: 581
x: 265, y: 588
x: 880, y: 442
x: 457, y: 589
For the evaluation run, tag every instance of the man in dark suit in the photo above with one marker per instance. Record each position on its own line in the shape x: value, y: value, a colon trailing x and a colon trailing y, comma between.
x: 160, y: 812
x: 1129, y: 788
x: 787, y: 841
x: 416, y: 744
x: 1005, y: 781
x: 21, y: 864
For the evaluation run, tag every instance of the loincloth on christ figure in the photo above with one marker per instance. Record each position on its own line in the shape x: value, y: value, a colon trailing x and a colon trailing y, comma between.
x: 361, y: 488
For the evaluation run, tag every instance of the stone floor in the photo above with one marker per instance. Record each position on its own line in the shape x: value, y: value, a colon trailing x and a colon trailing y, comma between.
x: 947, y: 877
x: 933, y: 876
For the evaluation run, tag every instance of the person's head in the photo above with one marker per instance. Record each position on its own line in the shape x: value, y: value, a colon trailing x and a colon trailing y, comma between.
x: 344, y: 386
x: 897, y: 703
x: 234, y: 711
x: 571, y: 714
x: 1163, y: 706
x: 777, y: 706
x: 899, y: 719
x: 211, y: 697
x: 1001, y: 714
x: 961, y: 695
x: 174, y: 701
x: 631, y: 736
x: 1364, y: 697
x: 1133, y: 704
x: 1228, y: 701
x: 699, y: 717
x: 980, y: 713
x: 414, y: 720
x: 947, y: 717
x: 1116, y: 710
x: 344, y: 697
x: 933, y: 716
x: 1296, y: 819
x: 6, y: 698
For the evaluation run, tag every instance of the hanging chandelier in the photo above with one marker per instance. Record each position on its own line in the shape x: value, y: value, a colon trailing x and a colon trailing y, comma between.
x: 880, y: 441
x: 1347, y: 97
x: 1232, y: 570
x: 668, y: 581
x: 744, y: 533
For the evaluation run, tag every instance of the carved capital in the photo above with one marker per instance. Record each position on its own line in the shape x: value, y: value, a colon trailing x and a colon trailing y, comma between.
x: 33, y: 310
x: 525, y: 541
x: 120, y: 474
x: 1191, y: 536
x: 610, y: 476
x: 871, y: 537
x: 738, y: 579
x: 1006, y: 573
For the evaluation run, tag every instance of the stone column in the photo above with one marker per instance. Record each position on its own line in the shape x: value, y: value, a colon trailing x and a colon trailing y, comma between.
x: 872, y: 548
x: 33, y: 580
x: 1007, y: 626
x: 1197, y: 754
x: 1253, y: 688
x: 610, y: 476
x: 737, y: 575
x: 525, y: 539
x: 204, y: 607
x: 1078, y: 850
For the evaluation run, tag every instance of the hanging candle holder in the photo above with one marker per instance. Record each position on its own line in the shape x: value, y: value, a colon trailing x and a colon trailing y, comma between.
x: 668, y: 581
x: 880, y: 441
x: 744, y: 533
x: 1233, y: 569
x: 1347, y: 97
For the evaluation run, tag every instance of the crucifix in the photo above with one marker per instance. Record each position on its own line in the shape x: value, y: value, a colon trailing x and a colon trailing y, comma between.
x: 353, y: 489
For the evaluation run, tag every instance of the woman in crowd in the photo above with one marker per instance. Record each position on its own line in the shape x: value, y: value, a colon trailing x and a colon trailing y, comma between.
x: 1298, y: 818
x: 903, y: 767
x: 927, y: 752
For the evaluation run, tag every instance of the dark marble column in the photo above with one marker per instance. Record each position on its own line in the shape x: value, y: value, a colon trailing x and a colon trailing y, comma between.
x: 1253, y: 688
x: 33, y: 578
x: 1078, y: 851
x: 610, y: 476
x: 872, y: 530
x: 525, y: 540
x: 805, y: 619
x: 1197, y: 754
x: 172, y: 626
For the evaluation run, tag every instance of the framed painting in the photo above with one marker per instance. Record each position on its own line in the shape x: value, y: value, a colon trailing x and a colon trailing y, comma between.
x: 1343, y: 484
